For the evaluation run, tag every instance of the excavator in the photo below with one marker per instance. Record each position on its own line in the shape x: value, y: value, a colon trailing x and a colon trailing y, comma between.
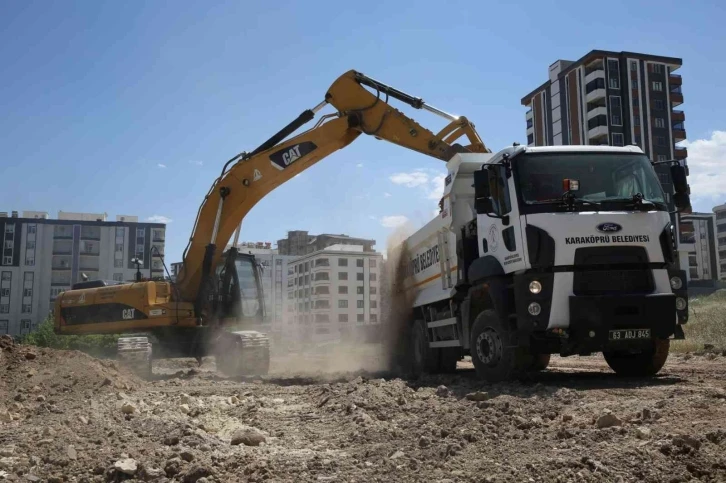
x: 215, y: 307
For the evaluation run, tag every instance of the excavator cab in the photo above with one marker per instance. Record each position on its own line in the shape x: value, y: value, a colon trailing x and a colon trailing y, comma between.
x: 240, y: 299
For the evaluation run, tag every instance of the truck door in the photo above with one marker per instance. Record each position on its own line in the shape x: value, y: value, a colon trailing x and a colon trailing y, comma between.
x: 501, y: 232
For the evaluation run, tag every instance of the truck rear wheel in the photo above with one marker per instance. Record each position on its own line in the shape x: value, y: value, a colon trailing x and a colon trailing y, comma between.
x: 540, y: 362
x: 643, y: 364
x: 493, y: 357
x: 423, y: 358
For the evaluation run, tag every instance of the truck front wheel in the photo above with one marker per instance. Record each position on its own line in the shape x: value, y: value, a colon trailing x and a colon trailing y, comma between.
x: 643, y: 364
x: 494, y: 358
x: 423, y: 358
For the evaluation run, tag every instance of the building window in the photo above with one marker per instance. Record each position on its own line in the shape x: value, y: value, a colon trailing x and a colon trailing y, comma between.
x: 32, y: 229
x: 616, y: 111
x: 636, y: 121
x: 29, y: 261
x: 659, y: 122
x: 614, y: 74
x: 342, y: 262
x: 617, y: 139
x: 7, y: 260
x: 4, y: 292
x: 658, y: 104
x: 657, y: 86
x: 6, y: 276
x: 4, y: 326
x: 661, y: 157
x: 9, y: 228
x: 658, y: 68
x: 343, y: 289
x: 634, y: 83
x: 359, y: 304
x: 373, y: 277
x: 26, y: 309
x: 120, y: 231
x: 307, y: 266
x: 372, y: 263
x: 307, y: 279
x: 278, y: 262
x: 119, y: 277
x: 342, y: 317
x: 119, y: 247
x: 372, y: 290
x: 28, y: 292
x: 30, y: 245
x: 634, y: 65
x: 359, y: 263
x: 359, y: 290
x: 636, y: 102
x: 637, y: 139
x: 530, y: 138
x: 359, y: 277
x: 361, y: 317
x: 374, y: 318
x: 118, y: 263
x: 374, y: 304
x: 342, y: 304
x: 4, y: 308
x: 342, y: 275
x: 9, y: 244
x: 660, y: 141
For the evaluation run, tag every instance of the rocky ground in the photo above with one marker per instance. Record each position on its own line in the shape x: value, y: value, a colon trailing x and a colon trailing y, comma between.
x: 65, y: 416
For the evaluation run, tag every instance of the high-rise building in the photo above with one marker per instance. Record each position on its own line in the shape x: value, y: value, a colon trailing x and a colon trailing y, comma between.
x: 617, y: 99
x: 335, y: 293
x: 720, y: 212
x: 42, y: 257
x: 300, y: 242
x: 704, y: 268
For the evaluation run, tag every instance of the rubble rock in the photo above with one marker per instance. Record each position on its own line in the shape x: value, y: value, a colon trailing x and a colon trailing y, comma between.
x: 478, y: 396
x: 184, y: 408
x: 128, y: 408
x: 127, y: 466
x: 196, y: 473
x: 442, y: 391
x: 186, y: 455
x: 608, y: 420
x: 642, y: 433
x: 247, y: 437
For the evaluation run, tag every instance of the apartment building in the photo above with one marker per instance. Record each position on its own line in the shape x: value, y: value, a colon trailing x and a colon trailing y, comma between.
x: 42, y: 257
x: 720, y: 212
x: 617, y: 99
x: 300, y: 242
x: 334, y: 293
x: 704, y: 268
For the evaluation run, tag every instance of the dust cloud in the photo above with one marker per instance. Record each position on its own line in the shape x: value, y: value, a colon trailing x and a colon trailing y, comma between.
x: 298, y: 353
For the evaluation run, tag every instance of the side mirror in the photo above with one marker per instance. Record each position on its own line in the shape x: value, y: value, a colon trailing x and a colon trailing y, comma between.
x: 481, y: 184
x: 682, y: 201
x: 678, y: 175
x: 483, y: 206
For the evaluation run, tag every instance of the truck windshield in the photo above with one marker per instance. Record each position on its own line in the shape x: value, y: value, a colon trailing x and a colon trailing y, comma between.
x: 602, y: 178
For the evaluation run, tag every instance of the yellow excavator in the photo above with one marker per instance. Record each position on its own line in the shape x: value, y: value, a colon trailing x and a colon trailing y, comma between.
x: 216, y: 305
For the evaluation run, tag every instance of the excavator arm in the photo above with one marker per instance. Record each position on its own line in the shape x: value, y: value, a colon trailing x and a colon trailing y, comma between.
x: 248, y: 177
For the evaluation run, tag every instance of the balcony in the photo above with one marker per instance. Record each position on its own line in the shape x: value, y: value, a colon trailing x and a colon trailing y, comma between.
x: 91, y: 233
x: 678, y: 116
x: 675, y: 80
x: 679, y: 132
x: 598, y: 73
x: 595, y: 94
x: 598, y: 111
x: 528, y: 115
x: 681, y: 153
x: 676, y: 99
x: 62, y: 232
x: 598, y: 133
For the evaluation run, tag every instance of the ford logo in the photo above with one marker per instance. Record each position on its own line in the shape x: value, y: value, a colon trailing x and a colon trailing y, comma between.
x: 608, y: 227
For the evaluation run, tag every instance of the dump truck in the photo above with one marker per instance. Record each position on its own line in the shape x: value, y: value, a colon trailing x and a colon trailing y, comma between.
x: 536, y: 251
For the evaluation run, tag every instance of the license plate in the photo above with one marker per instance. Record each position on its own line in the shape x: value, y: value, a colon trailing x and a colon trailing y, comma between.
x: 629, y: 334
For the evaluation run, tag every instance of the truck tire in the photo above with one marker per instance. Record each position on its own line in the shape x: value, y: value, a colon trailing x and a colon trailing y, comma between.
x: 643, y: 364
x: 423, y: 358
x: 494, y: 359
x: 540, y: 362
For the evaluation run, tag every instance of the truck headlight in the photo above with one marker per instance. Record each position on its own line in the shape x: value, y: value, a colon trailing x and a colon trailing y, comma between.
x: 534, y: 309
x: 681, y: 303
x: 676, y: 283
x: 535, y: 287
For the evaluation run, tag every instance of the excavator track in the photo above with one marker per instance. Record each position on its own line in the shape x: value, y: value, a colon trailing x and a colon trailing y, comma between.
x: 135, y: 354
x: 243, y: 353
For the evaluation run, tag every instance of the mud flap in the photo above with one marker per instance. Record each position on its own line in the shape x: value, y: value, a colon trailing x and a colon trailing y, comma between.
x: 678, y: 333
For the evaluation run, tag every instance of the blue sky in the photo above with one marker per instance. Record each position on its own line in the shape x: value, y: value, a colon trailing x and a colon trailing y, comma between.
x: 133, y: 107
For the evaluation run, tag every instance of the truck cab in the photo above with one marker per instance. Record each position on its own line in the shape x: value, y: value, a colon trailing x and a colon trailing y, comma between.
x: 564, y: 250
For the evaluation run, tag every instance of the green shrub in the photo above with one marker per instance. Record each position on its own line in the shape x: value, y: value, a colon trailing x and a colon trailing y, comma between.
x: 706, y: 323
x: 95, y: 345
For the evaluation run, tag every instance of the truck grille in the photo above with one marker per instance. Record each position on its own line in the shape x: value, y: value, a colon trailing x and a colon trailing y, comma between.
x: 610, y: 270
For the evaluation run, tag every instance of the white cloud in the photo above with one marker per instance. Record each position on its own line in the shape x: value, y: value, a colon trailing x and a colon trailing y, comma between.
x: 707, y: 166
x: 387, y: 195
x: 393, y: 221
x: 410, y: 180
x: 161, y: 165
x: 359, y: 165
x: 430, y: 181
x: 158, y: 219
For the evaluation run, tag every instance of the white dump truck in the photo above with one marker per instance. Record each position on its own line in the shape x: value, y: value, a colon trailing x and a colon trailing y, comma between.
x: 536, y: 251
